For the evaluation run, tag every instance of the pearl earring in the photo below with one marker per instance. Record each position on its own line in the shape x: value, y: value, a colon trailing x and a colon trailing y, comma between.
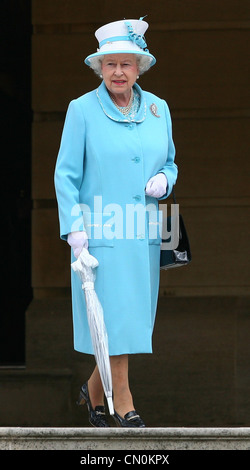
x: 137, y: 77
x: 100, y: 75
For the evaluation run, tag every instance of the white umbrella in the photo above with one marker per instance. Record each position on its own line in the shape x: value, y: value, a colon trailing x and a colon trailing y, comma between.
x: 85, y: 266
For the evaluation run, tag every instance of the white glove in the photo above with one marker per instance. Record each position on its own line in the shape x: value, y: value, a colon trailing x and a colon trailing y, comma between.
x: 157, y: 185
x: 78, y: 240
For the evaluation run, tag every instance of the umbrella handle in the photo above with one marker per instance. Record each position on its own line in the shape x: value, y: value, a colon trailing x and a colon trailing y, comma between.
x: 87, y: 259
x: 76, y: 265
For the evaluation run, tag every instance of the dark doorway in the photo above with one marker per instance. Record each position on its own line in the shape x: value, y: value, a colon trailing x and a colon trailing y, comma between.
x: 16, y: 118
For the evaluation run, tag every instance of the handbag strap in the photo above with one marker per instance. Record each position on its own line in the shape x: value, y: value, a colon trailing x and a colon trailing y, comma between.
x: 173, y: 195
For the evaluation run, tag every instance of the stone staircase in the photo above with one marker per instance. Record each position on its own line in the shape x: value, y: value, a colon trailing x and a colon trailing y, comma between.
x: 148, y: 439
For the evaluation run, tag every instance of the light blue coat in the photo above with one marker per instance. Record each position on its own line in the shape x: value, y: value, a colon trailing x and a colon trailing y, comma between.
x: 103, y: 165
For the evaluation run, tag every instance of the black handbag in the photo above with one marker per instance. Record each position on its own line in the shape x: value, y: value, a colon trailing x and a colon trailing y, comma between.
x: 181, y: 255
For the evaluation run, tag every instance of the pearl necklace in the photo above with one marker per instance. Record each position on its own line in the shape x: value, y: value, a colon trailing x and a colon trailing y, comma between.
x: 124, y: 109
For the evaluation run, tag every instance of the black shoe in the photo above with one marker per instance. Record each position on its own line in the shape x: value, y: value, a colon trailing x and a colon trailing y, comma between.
x: 130, y: 420
x: 97, y: 416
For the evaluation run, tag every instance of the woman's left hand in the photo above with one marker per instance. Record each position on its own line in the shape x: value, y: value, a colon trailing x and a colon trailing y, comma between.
x: 157, y: 185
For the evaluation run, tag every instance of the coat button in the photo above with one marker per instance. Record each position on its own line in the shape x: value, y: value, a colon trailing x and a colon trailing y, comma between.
x: 136, y: 159
x: 137, y: 197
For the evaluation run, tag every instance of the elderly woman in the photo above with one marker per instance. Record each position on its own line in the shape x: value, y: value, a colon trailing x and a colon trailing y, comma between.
x: 116, y: 160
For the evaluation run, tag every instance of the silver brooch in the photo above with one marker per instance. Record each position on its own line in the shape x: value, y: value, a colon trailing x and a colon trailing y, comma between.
x: 153, y: 109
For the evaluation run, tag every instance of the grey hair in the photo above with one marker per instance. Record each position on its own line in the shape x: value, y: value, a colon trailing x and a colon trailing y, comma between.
x: 143, y: 63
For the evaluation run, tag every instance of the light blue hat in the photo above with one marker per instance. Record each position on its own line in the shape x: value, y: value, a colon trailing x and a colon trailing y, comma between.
x: 124, y: 36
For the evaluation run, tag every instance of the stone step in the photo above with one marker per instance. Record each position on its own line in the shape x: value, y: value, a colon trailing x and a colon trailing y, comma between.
x: 96, y: 439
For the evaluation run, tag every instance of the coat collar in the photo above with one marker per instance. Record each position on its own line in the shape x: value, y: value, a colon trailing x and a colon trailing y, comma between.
x: 112, y: 112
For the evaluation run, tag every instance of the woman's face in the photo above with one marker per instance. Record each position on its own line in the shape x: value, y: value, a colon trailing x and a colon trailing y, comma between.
x: 119, y: 72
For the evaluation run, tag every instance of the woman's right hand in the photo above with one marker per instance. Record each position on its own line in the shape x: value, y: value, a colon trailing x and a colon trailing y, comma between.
x: 78, y: 241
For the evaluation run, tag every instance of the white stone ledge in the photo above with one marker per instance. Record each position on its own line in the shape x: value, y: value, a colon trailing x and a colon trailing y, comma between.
x: 17, y: 438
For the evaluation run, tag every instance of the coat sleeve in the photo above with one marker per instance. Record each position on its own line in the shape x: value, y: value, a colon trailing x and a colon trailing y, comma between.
x: 170, y: 169
x: 69, y: 170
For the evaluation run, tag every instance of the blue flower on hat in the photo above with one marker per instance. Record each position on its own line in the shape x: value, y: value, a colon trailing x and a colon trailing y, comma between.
x: 136, y: 38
